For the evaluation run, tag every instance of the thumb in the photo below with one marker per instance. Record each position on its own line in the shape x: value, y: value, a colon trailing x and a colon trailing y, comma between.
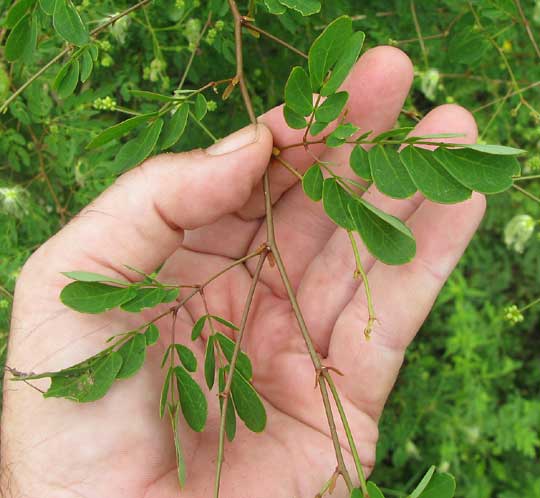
x: 140, y: 219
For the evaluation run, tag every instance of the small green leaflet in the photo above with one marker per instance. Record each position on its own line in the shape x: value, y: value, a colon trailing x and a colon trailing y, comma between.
x: 335, y: 201
x: 16, y: 12
x: 68, y: 24
x: 67, y: 78
x: 86, y: 276
x: 385, y: 236
x: 327, y: 48
x: 298, y: 95
x: 94, y: 297
x: 192, y: 399
x: 144, y: 94
x: 243, y: 363
x: 485, y: 173
x: 275, y: 7
x: 87, y: 65
x: 187, y: 357
x: 248, y: 404
x: 148, y: 297
x: 180, y: 462
x: 22, y: 39
x: 499, y: 150
x: 344, y: 64
x: 423, y: 483
x: 165, y: 392
x: 47, y: 6
x: 341, y: 134
x: 356, y: 493
x: 312, y: 183
x: 174, y: 127
x: 431, y: 178
x: 359, y: 162
x: 151, y: 334
x: 389, y: 173
x: 331, y: 108
x: 201, y: 107
x: 133, y: 354
x: 89, y: 385
x: 118, y: 130
x: 138, y: 149
x: 317, y: 127
x: 228, y: 324
x: 230, y: 416
x: 440, y: 486
x: 373, y: 490
x: 210, y: 363
x: 198, y: 327
x: 293, y: 119
x: 305, y: 7
x: 395, y: 134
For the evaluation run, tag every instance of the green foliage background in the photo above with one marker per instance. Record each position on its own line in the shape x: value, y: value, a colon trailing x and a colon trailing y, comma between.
x: 468, y: 397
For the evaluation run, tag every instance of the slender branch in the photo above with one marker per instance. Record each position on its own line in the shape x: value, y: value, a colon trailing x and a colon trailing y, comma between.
x: 192, y: 56
x: 360, y: 272
x: 523, y: 178
x: 419, y: 34
x: 64, y: 52
x: 527, y: 25
x: 272, y: 37
x: 232, y: 365
x: 526, y: 193
x: 288, y: 167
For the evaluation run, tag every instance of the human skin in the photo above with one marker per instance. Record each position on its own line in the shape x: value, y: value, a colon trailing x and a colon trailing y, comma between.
x: 198, y: 211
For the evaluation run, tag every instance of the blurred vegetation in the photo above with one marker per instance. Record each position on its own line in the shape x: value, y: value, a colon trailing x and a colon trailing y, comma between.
x: 468, y: 397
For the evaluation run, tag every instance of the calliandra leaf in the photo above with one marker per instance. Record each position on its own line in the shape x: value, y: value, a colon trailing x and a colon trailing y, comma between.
x: 312, y: 182
x: 187, y: 357
x: 170, y: 295
x: 94, y: 297
x: 331, y: 108
x: 67, y: 78
x: 385, y: 236
x: 151, y: 334
x: 435, y: 183
x: 16, y: 12
x: 133, y: 353
x: 192, y: 399
x: 138, y: 149
x: 145, y: 297
x: 210, y: 363
x: 87, y: 65
x: 423, y: 483
x: 68, y: 23
x: 201, y: 107
x: 499, y: 150
x: 317, y: 127
x: 359, y: 162
x: 165, y: 392
x: 440, y: 486
x: 485, y: 173
x: 174, y: 127
x: 305, y: 7
x: 118, y: 130
x: 395, y: 133
x: 344, y: 64
x: 335, y: 202
x: 389, y: 173
x: 247, y: 402
x: 340, y: 134
x: 22, y: 39
x: 416, y: 138
x: 89, y: 385
x: 180, y: 462
x: 198, y: 327
x: 87, y: 276
x: 298, y: 96
x: 293, y: 119
x: 231, y: 325
x: 275, y: 7
x: 230, y: 416
x: 373, y: 490
x: 47, y: 6
x: 356, y: 493
x: 243, y: 363
x: 327, y: 48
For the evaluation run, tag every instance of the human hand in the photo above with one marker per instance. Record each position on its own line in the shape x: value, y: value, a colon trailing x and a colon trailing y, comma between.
x: 198, y: 212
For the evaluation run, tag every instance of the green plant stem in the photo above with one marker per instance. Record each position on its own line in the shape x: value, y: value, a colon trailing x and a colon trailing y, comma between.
x: 348, y: 432
x: 523, y: 178
x: 232, y: 365
x: 530, y: 305
x: 68, y: 49
x: 203, y: 127
x: 526, y: 193
x: 419, y: 34
x: 272, y: 37
x: 360, y: 272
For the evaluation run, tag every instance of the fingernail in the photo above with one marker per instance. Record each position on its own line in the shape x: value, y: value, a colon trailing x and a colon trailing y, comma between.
x: 239, y: 139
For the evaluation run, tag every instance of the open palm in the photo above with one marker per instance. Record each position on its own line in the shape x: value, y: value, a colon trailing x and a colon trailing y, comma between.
x: 198, y: 212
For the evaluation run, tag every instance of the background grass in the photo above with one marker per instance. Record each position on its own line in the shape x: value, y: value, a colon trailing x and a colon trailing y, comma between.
x: 468, y: 397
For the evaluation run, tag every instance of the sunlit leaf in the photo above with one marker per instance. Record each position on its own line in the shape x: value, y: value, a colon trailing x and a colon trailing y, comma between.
x: 94, y: 297
x: 423, y: 483
x: 305, y: 7
x: 87, y: 276
x: 499, y: 150
x: 440, y: 486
